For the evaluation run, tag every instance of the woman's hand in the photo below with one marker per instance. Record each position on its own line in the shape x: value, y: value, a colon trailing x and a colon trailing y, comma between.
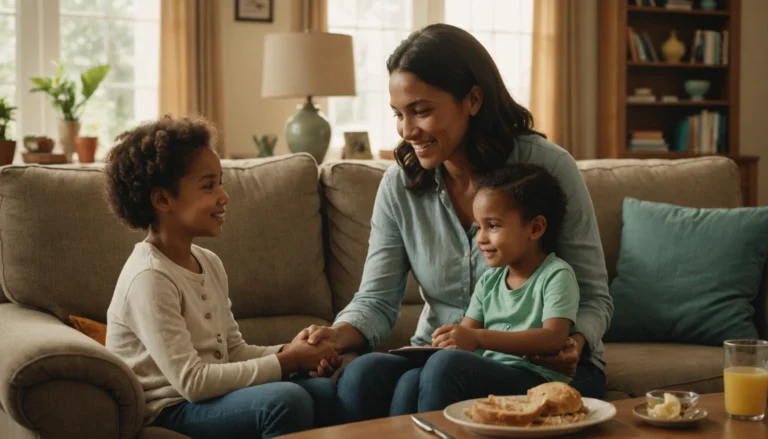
x: 455, y: 337
x: 315, y: 334
x: 566, y: 361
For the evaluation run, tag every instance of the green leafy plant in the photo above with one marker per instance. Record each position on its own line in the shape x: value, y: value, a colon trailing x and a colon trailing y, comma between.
x: 63, y: 91
x: 6, y: 116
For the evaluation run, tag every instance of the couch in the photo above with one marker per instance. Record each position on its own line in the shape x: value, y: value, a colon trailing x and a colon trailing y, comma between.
x: 294, y: 245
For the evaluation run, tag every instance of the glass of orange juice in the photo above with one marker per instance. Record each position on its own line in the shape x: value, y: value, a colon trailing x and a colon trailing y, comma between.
x: 746, y: 379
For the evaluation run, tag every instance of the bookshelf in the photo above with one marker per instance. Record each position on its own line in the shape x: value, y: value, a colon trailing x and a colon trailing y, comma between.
x: 689, y: 127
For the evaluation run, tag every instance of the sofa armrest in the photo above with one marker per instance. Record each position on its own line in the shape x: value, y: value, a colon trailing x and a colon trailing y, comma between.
x: 38, y: 350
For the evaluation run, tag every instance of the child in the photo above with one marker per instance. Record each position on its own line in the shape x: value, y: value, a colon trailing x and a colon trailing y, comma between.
x: 170, y: 317
x: 527, y: 301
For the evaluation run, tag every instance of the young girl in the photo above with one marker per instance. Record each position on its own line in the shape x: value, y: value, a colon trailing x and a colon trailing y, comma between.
x: 525, y: 304
x: 170, y: 317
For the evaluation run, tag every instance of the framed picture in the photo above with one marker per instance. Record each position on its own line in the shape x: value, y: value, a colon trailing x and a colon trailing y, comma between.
x: 357, y: 146
x: 254, y: 10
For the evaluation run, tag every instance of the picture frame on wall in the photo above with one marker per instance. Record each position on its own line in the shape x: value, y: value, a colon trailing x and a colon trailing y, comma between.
x: 254, y: 10
x: 357, y: 146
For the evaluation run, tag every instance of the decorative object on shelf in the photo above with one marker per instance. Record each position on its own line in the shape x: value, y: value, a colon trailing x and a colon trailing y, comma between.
x: 644, y: 95
x: 307, y: 64
x: 669, y: 98
x: 265, y: 144
x: 696, y: 88
x: 41, y: 144
x: 356, y: 146
x: 254, y: 10
x: 7, y: 146
x: 86, y: 147
x: 44, y: 158
x: 63, y: 94
x: 673, y: 49
x: 708, y: 5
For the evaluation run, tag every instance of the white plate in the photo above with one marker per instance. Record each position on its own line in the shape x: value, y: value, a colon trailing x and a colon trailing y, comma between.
x: 691, y: 418
x: 599, y: 411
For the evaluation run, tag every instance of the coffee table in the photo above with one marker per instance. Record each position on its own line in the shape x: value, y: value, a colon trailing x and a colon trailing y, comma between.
x: 623, y: 425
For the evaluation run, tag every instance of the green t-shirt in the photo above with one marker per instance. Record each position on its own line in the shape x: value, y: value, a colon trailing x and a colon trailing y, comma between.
x: 551, y: 292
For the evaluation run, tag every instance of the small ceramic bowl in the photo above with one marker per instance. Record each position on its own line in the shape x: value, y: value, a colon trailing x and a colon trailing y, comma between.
x: 689, y: 419
x: 696, y: 88
x: 688, y: 400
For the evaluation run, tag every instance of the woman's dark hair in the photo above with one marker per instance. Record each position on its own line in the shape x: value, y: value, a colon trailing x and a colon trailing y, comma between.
x: 533, y: 191
x: 451, y: 59
x: 154, y: 154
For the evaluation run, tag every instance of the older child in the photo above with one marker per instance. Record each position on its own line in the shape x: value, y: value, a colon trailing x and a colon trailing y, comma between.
x: 170, y: 317
x: 525, y: 304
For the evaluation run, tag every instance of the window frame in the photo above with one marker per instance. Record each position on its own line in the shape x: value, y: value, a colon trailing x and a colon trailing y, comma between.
x: 423, y: 13
x: 38, y: 47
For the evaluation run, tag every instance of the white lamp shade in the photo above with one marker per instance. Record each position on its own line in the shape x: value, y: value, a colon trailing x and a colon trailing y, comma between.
x: 300, y: 64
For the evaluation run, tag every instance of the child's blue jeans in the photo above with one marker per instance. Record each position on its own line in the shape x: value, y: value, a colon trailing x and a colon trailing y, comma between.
x: 266, y: 410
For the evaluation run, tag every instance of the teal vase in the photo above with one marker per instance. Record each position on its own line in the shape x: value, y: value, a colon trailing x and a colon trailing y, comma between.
x: 708, y: 5
x: 308, y: 131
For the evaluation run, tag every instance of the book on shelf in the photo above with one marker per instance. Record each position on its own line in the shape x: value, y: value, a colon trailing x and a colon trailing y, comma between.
x: 709, y: 47
x: 640, y: 47
x: 703, y: 133
x: 647, y: 140
x: 680, y: 5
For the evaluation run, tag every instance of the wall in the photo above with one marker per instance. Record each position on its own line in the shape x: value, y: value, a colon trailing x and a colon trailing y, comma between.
x: 754, y: 88
x: 245, y: 112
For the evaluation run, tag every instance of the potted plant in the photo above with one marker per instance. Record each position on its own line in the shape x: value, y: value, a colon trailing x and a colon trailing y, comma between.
x: 63, y: 93
x: 7, y: 146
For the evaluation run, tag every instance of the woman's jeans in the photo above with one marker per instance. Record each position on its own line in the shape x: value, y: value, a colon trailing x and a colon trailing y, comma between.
x: 266, y: 410
x: 378, y: 385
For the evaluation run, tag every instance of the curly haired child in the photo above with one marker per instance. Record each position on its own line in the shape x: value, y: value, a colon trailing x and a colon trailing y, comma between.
x: 170, y: 317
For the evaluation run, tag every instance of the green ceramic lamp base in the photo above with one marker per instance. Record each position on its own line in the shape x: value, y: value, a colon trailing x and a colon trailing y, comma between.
x: 308, y: 131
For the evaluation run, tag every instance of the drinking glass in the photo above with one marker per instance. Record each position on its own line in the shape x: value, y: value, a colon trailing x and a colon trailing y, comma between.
x: 745, y: 377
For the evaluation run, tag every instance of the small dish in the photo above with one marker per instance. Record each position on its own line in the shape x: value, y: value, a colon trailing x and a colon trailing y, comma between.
x: 688, y: 400
x: 690, y: 418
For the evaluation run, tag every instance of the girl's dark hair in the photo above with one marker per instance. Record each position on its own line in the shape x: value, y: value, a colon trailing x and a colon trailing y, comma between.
x: 450, y: 58
x: 154, y: 154
x: 533, y: 191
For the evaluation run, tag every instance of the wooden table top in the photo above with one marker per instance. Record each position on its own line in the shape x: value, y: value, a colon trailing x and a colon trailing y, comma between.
x: 623, y: 425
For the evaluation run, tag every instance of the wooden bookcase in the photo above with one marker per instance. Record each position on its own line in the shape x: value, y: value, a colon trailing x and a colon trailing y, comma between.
x: 619, y: 77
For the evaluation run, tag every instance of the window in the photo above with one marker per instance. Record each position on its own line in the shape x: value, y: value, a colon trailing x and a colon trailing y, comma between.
x: 126, y: 35
x: 504, y: 27
x: 8, y: 57
x: 81, y: 34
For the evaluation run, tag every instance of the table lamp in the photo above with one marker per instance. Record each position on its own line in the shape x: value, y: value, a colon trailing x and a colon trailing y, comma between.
x: 307, y: 64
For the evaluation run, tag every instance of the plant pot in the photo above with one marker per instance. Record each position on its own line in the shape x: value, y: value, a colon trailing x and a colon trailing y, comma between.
x: 7, y: 151
x: 86, y: 148
x: 68, y: 130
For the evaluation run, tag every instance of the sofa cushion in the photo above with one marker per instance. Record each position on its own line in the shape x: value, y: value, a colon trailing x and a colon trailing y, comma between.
x: 349, y: 188
x: 635, y: 368
x: 687, y: 275
x: 62, y: 250
x: 699, y: 182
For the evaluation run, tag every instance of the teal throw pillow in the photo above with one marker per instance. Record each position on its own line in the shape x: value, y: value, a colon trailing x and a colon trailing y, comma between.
x: 687, y: 275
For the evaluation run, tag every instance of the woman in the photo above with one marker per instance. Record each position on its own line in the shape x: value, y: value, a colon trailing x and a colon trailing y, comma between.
x: 457, y: 121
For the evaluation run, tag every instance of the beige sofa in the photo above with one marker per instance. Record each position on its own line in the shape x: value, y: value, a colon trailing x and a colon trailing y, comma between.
x: 293, y: 245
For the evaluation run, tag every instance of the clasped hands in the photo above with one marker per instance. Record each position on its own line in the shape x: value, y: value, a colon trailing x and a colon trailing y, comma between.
x: 319, y: 354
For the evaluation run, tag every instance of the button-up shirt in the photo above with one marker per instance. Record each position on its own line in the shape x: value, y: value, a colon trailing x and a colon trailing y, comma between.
x: 420, y: 232
x: 175, y: 330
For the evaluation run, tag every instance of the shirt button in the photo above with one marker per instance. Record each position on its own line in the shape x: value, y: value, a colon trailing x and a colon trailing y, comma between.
x: 466, y: 255
x: 219, y: 338
x: 217, y: 355
x: 205, y: 297
x: 208, y: 316
x: 466, y: 289
x: 202, y: 282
